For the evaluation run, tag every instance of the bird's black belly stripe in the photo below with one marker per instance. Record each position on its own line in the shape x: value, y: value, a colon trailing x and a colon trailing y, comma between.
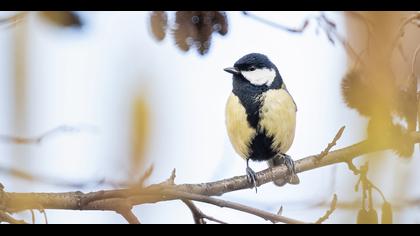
x: 248, y: 95
x: 260, y: 148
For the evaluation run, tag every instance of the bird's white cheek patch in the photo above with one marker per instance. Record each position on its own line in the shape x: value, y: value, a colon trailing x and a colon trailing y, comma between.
x: 260, y: 76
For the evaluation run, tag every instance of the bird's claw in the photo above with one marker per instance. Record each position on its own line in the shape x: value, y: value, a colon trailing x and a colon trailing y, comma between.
x: 252, y: 177
x: 290, y: 164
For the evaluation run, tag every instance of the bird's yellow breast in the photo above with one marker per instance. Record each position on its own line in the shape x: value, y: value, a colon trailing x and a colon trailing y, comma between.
x: 240, y: 132
x: 278, y: 118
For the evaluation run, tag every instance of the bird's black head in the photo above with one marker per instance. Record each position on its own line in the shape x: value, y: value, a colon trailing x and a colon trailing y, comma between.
x: 256, y: 69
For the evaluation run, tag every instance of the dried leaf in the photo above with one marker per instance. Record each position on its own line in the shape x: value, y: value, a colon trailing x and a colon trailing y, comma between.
x: 159, y: 23
x: 183, y: 30
x: 220, y: 23
x: 195, y: 28
x: 62, y: 18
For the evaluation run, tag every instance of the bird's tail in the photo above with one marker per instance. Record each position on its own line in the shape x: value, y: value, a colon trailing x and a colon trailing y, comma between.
x: 291, y: 178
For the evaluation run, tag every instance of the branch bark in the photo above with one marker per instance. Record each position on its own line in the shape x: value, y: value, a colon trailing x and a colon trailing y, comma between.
x: 168, y: 190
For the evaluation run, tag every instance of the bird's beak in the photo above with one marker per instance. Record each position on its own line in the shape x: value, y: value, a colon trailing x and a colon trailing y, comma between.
x: 232, y: 70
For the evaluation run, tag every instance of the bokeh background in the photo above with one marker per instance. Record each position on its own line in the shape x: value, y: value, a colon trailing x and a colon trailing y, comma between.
x: 138, y: 101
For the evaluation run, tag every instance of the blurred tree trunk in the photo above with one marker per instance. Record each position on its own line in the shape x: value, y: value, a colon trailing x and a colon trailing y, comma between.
x: 20, y: 112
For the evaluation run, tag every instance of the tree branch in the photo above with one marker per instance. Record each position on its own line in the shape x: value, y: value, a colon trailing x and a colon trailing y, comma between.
x: 236, y: 206
x: 8, y: 219
x: 168, y: 190
x: 198, y: 216
x: 12, y: 20
x: 39, y: 139
x: 327, y: 25
x: 333, y: 206
x: 279, y: 26
x: 332, y: 144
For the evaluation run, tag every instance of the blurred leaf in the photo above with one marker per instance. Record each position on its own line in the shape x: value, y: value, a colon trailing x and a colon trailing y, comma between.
x: 183, y: 30
x: 62, y: 18
x: 386, y: 213
x: 159, y: 24
x: 195, y: 28
x: 140, y: 133
x: 203, y: 22
x: 220, y: 23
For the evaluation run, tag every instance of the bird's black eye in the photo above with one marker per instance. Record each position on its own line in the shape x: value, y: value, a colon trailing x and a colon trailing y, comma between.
x: 252, y: 68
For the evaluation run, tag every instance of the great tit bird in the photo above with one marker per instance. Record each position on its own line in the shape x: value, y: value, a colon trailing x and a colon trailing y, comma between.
x: 261, y: 115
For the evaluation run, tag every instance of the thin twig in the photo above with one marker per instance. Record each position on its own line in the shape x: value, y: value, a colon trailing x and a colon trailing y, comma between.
x: 32, y: 215
x: 129, y: 216
x: 45, y: 215
x: 12, y: 20
x: 198, y: 215
x: 333, y: 206
x: 8, y: 219
x: 20, y: 174
x: 414, y: 60
x: 39, y: 139
x: 327, y: 25
x: 332, y: 144
x: 146, y: 175
x: 233, y: 205
x: 401, y: 31
x: 279, y: 26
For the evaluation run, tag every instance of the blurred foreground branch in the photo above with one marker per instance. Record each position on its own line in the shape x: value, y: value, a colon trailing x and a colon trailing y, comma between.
x: 39, y: 139
x: 122, y: 200
x: 13, y: 19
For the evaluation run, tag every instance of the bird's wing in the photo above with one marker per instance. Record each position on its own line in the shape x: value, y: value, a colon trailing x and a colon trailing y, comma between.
x: 285, y: 88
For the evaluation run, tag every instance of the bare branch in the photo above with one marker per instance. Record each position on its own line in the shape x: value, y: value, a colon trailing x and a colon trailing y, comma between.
x: 13, y: 20
x: 146, y: 175
x: 39, y: 139
x: 327, y: 25
x: 333, y: 206
x: 129, y: 216
x: 45, y: 215
x: 8, y: 219
x: 111, y: 200
x: 236, y: 206
x: 352, y: 167
x: 414, y: 60
x: 32, y: 215
x: 198, y: 215
x: 20, y: 174
x: 332, y: 144
x: 279, y: 26
x: 412, y: 19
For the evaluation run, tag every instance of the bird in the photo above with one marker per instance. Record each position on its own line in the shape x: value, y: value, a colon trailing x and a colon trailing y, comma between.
x: 261, y: 116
